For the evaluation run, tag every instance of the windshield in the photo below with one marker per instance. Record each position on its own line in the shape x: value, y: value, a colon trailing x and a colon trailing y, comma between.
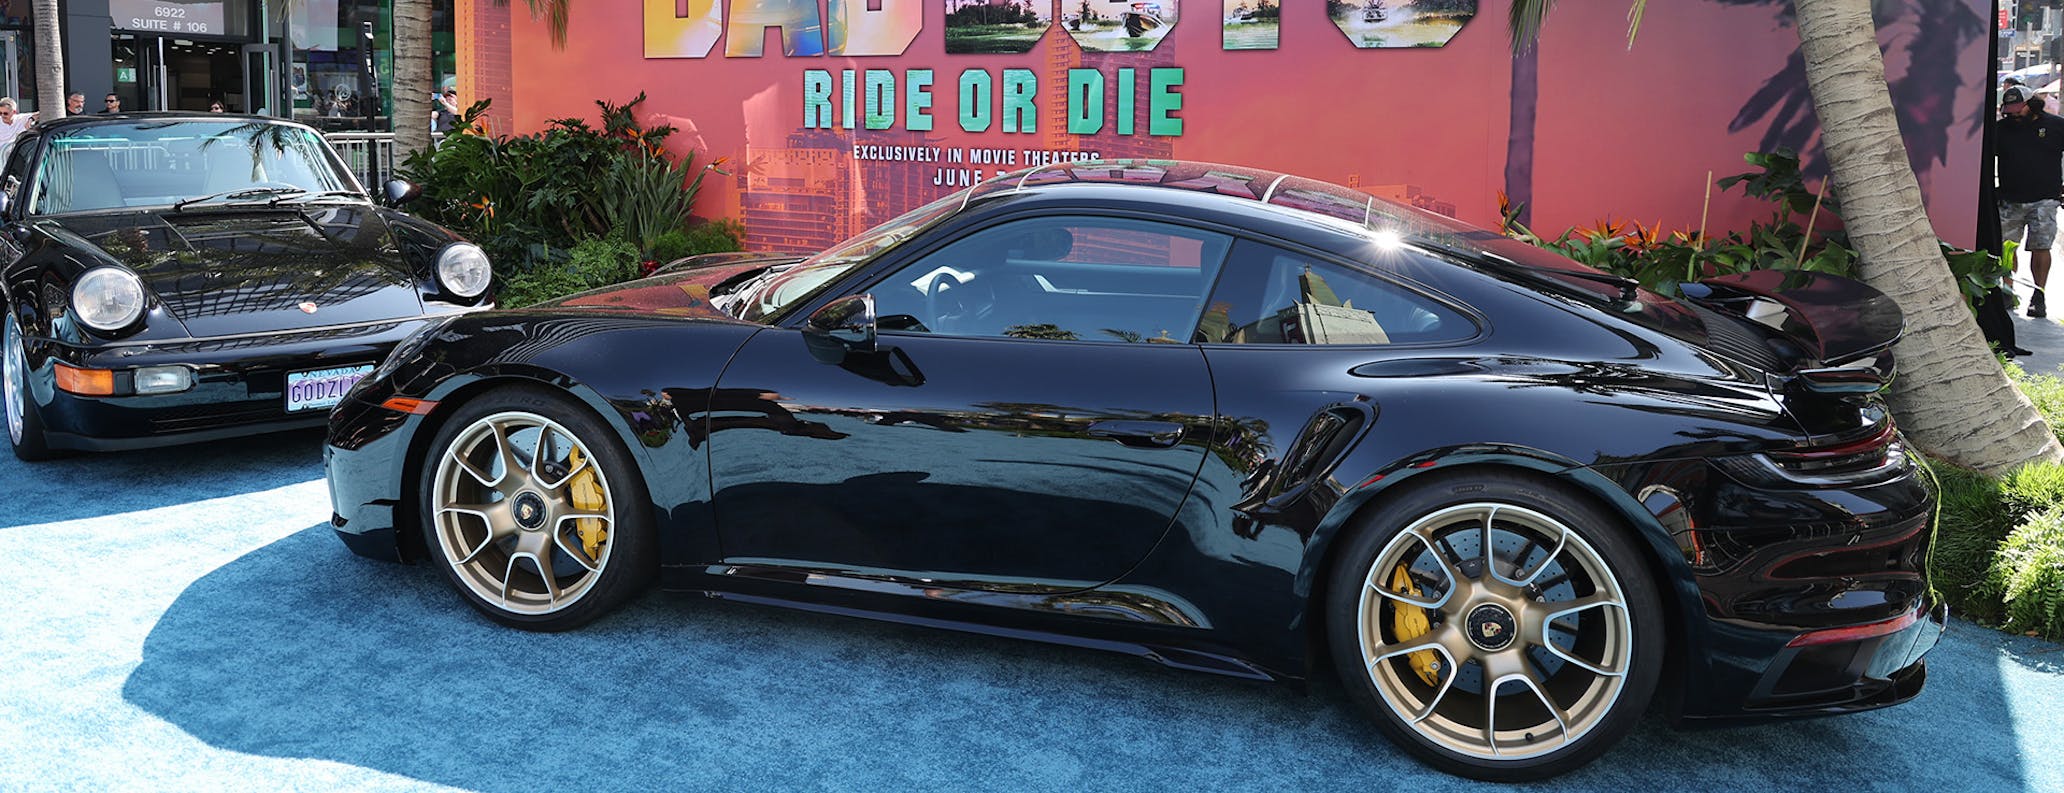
x: 158, y: 163
x: 774, y: 291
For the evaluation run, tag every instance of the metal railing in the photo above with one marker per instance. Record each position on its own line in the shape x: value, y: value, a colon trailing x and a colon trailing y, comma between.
x: 357, y: 149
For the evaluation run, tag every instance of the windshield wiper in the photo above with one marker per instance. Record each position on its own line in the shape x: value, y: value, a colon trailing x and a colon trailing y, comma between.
x: 307, y: 198
x: 247, y: 192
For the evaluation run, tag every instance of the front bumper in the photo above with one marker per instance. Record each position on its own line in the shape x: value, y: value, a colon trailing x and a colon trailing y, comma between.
x: 364, y: 456
x: 239, y: 387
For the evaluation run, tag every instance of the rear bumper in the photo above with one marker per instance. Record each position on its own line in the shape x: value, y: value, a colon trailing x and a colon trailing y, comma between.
x: 1841, y: 677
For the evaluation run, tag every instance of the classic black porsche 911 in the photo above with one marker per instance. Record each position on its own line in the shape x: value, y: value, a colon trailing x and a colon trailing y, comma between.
x: 1228, y: 420
x: 172, y: 278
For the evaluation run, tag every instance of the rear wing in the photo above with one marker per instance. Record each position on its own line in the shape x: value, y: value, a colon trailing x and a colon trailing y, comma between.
x: 1847, y: 326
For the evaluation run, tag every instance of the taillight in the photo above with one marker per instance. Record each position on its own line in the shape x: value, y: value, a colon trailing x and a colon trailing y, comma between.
x: 1875, y: 458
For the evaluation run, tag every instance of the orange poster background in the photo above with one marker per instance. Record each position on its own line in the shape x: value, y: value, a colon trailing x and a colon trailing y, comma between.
x: 1623, y: 133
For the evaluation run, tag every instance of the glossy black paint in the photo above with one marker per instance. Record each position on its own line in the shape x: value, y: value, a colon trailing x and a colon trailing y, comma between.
x: 1179, y: 501
x: 228, y: 290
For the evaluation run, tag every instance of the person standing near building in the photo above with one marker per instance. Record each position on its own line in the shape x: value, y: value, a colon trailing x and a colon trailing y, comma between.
x: 2029, y: 145
x: 113, y: 104
x: 12, y: 124
x: 75, y: 104
x: 444, y: 116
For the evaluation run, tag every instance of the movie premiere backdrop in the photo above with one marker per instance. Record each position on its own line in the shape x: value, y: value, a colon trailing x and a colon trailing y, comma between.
x: 834, y: 115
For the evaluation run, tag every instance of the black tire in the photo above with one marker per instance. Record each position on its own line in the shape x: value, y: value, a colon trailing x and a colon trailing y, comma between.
x: 630, y: 562
x: 24, y: 426
x: 1606, y: 538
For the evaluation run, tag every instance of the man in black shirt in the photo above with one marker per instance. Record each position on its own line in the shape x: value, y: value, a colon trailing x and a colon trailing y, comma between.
x: 2030, y: 147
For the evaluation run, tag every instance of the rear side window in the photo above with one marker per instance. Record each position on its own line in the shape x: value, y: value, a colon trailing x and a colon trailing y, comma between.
x: 1273, y: 296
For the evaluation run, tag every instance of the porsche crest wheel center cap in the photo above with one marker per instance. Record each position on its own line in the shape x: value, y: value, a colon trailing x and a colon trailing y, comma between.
x: 1491, y: 627
x: 529, y: 510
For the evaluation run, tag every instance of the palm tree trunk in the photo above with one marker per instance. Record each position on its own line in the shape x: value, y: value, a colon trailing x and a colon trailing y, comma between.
x: 50, y: 89
x: 1951, y: 396
x: 1519, y: 143
x: 412, y: 82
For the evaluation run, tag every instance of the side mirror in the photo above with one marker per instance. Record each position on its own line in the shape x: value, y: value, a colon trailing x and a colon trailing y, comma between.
x: 842, y: 327
x: 402, y: 191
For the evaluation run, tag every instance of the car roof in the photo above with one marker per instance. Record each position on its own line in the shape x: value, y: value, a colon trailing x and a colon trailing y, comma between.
x: 1343, y: 208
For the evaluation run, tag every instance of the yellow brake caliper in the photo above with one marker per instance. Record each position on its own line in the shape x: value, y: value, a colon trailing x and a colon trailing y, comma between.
x: 587, y: 497
x: 1409, y: 622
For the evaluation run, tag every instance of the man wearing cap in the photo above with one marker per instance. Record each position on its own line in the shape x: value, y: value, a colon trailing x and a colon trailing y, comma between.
x: 2030, y: 147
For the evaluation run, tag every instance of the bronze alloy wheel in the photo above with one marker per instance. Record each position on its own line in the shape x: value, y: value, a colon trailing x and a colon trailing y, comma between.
x: 1504, y: 632
x: 532, y: 515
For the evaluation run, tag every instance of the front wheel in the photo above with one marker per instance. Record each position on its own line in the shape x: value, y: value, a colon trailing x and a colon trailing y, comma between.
x: 24, y: 425
x: 537, y: 514
x: 1496, y: 627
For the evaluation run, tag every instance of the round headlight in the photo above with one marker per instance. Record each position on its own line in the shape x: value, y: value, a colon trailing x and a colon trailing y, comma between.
x: 463, y: 269
x: 107, y: 298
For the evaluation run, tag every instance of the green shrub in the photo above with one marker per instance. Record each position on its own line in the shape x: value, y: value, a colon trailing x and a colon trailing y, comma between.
x: 2046, y: 391
x: 670, y: 246
x: 647, y: 196
x: 1974, y: 520
x: 523, y: 197
x: 595, y: 262
x: 2032, y: 488
x: 2029, y: 571
x: 1801, y: 233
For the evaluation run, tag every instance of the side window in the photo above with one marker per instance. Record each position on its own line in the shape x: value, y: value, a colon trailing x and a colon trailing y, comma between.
x: 1061, y: 278
x: 17, y: 167
x: 1273, y: 296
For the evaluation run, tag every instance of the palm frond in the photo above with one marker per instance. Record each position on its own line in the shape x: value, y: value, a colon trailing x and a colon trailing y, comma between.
x: 557, y: 15
x: 1634, y: 13
x: 1525, y: 23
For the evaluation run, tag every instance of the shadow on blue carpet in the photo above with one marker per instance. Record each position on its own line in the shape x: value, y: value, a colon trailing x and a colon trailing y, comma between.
x: 93, y: 485
x: 301, y: 650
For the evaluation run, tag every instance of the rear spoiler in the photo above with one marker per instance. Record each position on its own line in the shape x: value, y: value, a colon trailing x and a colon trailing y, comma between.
x: 1844, y: 324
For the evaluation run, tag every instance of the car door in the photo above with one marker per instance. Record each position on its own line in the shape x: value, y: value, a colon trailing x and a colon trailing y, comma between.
x: 1033, y: 419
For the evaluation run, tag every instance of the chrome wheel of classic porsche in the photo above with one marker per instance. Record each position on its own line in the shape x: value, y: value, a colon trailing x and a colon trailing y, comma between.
x: 529, y: 516
x: 24, y: 428
x: 1505, y: 637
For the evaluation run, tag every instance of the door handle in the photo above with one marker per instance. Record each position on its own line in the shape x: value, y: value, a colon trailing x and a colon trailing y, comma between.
x: 1139, y: 434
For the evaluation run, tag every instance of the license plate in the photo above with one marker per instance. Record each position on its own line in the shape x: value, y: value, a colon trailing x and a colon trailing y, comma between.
x: 322, y: 389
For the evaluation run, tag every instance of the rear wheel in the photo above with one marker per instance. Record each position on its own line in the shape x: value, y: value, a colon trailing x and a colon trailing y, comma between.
x: 1496, y: 627
x: 24, y: 425
x: 536, y: 513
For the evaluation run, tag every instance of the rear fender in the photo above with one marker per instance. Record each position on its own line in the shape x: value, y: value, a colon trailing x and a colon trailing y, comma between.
x: 1685, y: 616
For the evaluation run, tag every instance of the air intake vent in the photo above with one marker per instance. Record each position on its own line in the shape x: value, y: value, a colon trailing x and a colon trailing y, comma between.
x: 1738, y: 339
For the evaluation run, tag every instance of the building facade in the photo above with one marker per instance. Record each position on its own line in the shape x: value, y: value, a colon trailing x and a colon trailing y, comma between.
x: 300, y: 59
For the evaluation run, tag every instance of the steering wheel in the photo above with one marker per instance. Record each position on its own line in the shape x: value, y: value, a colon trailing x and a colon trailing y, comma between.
x: 933, y: 291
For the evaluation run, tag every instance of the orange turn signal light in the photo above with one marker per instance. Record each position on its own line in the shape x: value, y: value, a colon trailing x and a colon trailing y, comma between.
x: 409, y: 405
x: 85, y: 382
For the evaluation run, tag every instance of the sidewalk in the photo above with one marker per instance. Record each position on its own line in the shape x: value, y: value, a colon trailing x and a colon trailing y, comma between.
x: 2044, y: 337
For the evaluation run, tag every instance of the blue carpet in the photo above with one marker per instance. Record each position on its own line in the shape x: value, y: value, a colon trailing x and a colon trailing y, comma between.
x: 184, y: 620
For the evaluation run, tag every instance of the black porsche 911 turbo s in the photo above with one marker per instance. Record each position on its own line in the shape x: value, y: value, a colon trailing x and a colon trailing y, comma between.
x: 171, y: 278
x: 1229, y: 420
